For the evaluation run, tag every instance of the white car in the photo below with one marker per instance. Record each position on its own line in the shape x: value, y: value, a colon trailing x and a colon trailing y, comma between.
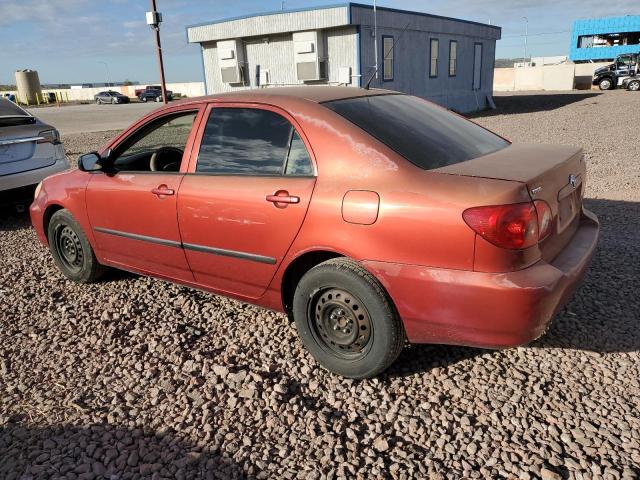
x: 30, y: 151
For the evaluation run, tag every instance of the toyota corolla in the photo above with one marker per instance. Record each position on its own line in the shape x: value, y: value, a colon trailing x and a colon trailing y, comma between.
x: 370, y: 217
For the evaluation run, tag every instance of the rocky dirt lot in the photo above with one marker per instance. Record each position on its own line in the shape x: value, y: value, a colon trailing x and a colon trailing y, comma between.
x: 137, y: 378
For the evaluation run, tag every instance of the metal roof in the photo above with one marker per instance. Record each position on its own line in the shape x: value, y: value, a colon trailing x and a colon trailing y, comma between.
x: 344, y: 17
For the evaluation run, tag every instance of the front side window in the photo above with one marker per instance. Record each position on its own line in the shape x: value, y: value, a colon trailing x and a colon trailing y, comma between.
x: 387, y: 56
x: 251, y: 141
x: 433, y: 57
x: 453, y: 58
x: 166, y: 137
x: 425, y: 134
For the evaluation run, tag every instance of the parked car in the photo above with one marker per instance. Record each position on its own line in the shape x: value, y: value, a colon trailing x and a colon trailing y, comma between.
x: 10, y: 96
x: 30, y: 150
x: 154, y: 96
x: 110, y: 96
x: 368, y: 216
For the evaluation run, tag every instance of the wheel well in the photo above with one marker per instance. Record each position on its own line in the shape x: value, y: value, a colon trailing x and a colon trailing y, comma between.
x: 48, y: 213
x: 297, y: 269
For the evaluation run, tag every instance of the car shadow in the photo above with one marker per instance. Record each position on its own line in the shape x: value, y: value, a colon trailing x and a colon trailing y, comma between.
x: 601, y: 317
x: 11, y: 219
x: 529, y: 103
x: 107, y: 451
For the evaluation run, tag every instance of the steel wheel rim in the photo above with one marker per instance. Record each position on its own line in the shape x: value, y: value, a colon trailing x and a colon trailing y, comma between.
x: 340, y: 323
x: 605, y: 84
x: 69, y: 248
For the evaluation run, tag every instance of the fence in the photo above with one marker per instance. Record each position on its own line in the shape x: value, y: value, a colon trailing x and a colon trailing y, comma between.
x: 186, y: 89
x: 566, y: 76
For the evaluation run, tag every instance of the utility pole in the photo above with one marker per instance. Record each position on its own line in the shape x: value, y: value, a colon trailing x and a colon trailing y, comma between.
x: 375, y: 34
x: 106, y: 66
x: 526, y: 31
x: 154, y: 18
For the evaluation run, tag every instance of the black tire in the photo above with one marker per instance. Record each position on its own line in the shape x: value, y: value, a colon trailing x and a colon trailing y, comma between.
x: 143, y: 99
x: 346, y: 320
x: 71, y: 250
x: 633, y: 85
x: 98, y: 102
x: 605, y: 84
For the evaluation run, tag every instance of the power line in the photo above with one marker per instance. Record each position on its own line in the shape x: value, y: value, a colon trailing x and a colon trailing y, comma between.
x: 536, y: 34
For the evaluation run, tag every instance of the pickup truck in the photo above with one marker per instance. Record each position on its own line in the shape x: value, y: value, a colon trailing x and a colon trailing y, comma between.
x: 612, y: 75
x: 151, y: 89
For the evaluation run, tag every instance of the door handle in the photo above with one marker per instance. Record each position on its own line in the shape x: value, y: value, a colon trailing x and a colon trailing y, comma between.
x: 282, y: 198
x: 163, y: 190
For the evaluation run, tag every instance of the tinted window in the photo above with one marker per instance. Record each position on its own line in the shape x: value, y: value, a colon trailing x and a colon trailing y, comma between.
x: 425, y: 134
x: 298, y: 162
x: 251, y: 141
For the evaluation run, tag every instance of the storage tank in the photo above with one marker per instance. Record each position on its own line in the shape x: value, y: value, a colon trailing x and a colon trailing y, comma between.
x: 28, y: 84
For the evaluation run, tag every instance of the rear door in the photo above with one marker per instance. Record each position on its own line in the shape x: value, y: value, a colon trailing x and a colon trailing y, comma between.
x: 245, y: 197
x: 132, y: 208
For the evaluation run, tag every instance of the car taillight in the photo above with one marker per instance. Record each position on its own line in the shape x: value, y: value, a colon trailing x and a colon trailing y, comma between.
x: 49, y: 136
x: 512, y: 226
x: 545, y: 219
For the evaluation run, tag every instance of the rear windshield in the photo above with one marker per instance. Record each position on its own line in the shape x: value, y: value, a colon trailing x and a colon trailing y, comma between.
x: 11, y: 114
x: 425, y: 134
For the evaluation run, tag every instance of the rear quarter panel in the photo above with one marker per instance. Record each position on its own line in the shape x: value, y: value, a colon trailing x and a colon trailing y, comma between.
x: 420, y: 214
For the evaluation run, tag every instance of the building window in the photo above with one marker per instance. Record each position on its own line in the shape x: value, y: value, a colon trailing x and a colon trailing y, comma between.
x: 433, y: 55
x: 387, y: 58
x: 453, y: 58
x: 609, y: 40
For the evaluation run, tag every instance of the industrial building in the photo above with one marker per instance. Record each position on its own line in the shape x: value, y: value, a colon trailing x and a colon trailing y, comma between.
x: 445, y: 60
x: 602, y: 39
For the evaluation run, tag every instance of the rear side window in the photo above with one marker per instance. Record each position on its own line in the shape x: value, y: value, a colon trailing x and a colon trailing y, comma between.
x: 425, y: 134
x: 250, y: 141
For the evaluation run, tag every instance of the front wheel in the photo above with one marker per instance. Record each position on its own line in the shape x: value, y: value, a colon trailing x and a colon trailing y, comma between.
x: 98, y: 102
x: 634, y: 85
x: 346, y: 320
x: 605, y: 84
x: 71, y: 250
x: 143, y: 99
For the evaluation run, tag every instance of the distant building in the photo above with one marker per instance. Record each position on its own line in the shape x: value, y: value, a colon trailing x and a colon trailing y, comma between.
x: 601, y: 39
x: 447, y: 60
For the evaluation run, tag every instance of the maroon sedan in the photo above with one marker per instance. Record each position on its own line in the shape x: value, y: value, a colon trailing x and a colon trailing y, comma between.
x: 370, y: 217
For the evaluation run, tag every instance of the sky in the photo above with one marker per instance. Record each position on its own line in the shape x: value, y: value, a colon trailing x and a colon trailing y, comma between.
x: 81, y: 41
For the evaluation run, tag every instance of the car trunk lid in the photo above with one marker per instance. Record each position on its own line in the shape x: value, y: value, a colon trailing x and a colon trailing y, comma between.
x: 19, y: 150
x: 553, y: 173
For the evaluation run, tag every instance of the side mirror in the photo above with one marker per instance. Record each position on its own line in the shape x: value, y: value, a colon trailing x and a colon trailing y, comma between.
x: 90, y: 162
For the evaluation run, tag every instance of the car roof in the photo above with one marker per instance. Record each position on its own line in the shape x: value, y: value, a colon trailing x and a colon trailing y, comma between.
x: 316, y: 94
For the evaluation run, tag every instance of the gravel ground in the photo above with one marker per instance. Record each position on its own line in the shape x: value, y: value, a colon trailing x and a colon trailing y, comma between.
x: 137, y: 378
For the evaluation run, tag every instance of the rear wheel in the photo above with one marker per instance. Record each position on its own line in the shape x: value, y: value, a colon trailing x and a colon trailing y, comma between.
x: 346, y: 320
x: 71, y: 250
x: 633, y: 85
x: 605, y: 84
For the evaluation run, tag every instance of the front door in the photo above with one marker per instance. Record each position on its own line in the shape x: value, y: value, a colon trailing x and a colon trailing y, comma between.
x: 132, y: 206
x: 245, y: 197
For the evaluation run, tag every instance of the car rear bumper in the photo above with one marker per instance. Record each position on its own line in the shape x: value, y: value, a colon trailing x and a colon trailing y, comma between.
x: 33, y: 177
x: 492, y: 310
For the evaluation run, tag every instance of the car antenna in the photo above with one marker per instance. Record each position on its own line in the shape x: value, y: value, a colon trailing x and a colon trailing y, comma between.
x: 375, y: 69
